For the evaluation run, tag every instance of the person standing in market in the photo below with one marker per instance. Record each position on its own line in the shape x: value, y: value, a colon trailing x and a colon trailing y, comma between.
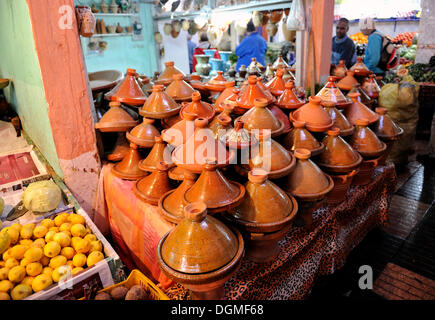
x: 204, y: 44
x: 252, y: 46
x: 191, y: 48
x: 343, y: 47
x: 372, y: 54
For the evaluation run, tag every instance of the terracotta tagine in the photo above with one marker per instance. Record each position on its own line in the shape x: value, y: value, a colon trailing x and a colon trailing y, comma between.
x: 116, y: 119
x: 365, y: 172
x: 201, y: 145
x: 204, y: 268
x: 200, y: 108
x: 280, y: 115
x: 151, y: 188
x: 181, y: 131
x: 172, y: 204
x: 340, y: 70
x: 279, y: 63
x: 265, y: 212
x: 308, y: 184
x: 196, y: 83
x: 176, y: 173
x: 312, y: 113
x: 159, y: 104
x: 127, y: 91
x: 228, y: 91
x: 266, y: 90
x: 277, y: 85
x: 166, y: 77
x: 288, y: 75
x: 347, y: 82
x: 338, y: 156
x: 171, y: 121
x: 227, y: 110
x: 252, y: 92
x: 342, y: 183
x: 143, y: 134
x: 360, y: 68
x: 159, y: 153
x: 357, y: 110
x: 128, y: 168
x: 120, y: 150
x: 231, y: 101
x: 363, y: 97
x: 217, y: 84
x: 340, y: 121
x: 365, y: 141
x: 270, y: 156
x: 260, y: 117
x: 330, y: 92
x: 288, y: 99
x: 179, y: 90
x: 371, y: 87
x: 238, y: 137
x: 222, y: 124
x: 216, y: 191
x: 301, y: 138
x: 253, y: 68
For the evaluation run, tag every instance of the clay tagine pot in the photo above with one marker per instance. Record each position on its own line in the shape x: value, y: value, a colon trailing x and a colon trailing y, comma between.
x: 228, y: 91
x: 301, y: 138
x: 342, y: 183
x: 217, y: 84
x: 120, y: 150
x: 151, y: 188
x: 312, y: 113
x: 143, y: 134
x: 171, y: 121
x: 200, y: 108
x: 363, y: 97
x: 179, y: 90
x: 260, y: 117
x: 197, y: 84
x: 222, y: 124
x: 238, y: 137
x: 127, y: 91
x: 252, y: 92
x: 330, y: 92
x: 279, y: 63
x: 200, y: 253
x: 128, y: 168
x: 116, y: 119
x: 231, y: 102
x: 198, y: 147
x: 166, y: 77
x: 360, y: 68
x: 277, y: 85
x: 280, y: 115
x: 288, y: 75
x: 181, y: 131
x: 338, y: 156
x: 270, y: 156
x: 266, y: 90
x: 365, y: 172
x: 371, y: 87
x: 347, y: 82
x: 172, y: 203
x: 212, y: 188
x: 365, y: 141
x: 159, y: 105
x: 159, y: 153
x: 340, y: 70
x: 340, y: 121
x: 357, y: 110
x: 288, y: 99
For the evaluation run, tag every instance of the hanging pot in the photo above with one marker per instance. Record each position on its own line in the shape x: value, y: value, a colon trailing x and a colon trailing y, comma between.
x: 167, y: 28
x: 271, y: 29
x: 185, y: 25
x: 158, y: 37
x: 176, y: 25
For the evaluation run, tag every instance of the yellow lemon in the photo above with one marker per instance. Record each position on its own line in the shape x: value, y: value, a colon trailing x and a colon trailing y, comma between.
x: 44, y: 260
x: 91, y: 237
x: 68, y: 233
x: 49, y: 235
x: 59, y: 220
x: 52, y: 249
x: 24, y: 262
x: 48, y: 223
x: 47, y: 271
x: 4, y: 273
x: 74, y: 241
x: 28, y: 280
x: 94, y: 257
x: 6, y: 286
x: 6, y: 255
x: 66, y: 226
x: 41, y: 282
x: 70, y: 263
x: 26, y: 233
x: 21, y: 291
x: 68, y: 252
x: 11, y: 262
x: 76, y: 270
x: 13, y: 233
x: 61, y: 272
x: 17, y: 274
x: 79, y: 260
x: 76, y: 218
x: 34, y: 254
x: 40, y: 232
x: 78, y: 230
x: 4, y: 296
x: 17, y: 226
x: 57, y: 262
x: 55, y: 229
x: 63, y: 239
x: 2, y: 264
x: 96, y: 246
x: 30, y: 226
x: 33, y: 269
x: 18, y: 251
x: 39, y: 243
x: 26, y: 242
x: 82, y: 246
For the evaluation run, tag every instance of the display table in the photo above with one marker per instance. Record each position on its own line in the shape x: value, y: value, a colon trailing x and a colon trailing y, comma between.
x: 137, y: 227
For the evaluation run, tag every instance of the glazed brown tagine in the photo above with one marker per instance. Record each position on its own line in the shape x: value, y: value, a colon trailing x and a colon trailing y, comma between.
x: 116, y: 119
x: 179, y: 90
x: 128, y: 168
x: 277, y: 85
x: 280, y: 115
x: 363, y: 97
x: 301, y: 138
x: 127, y: 91
x: 159, y: 105
x: 216, y: 191
x: 251, y: 93
x: 331, y: 93
x: 151, y: 188
x: 120, y: 150
x: 166, y: 77
x: 371, y: 87
x: 264, y: 216
x: 238, y: 137
x: 171, y: 204
x: 360, y: 68
x: 228, y: 91
x: 340, y: 121
x: 342, y: 183
x: 347, y: 82
x: 181, y: 131
x: 340, y: 70
x: 159, y: 153
x: 270, y: 96
x: 143, y: 134
x: 288, y: 99
x: 200, y: 108
x: 357, y: 110
x: 216, y: 84
x: 200, y: 253
x: 312, y: 113
x: 308, y: 184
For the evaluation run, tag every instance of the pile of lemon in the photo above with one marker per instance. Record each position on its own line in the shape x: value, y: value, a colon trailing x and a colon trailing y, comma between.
x: 40, y: 255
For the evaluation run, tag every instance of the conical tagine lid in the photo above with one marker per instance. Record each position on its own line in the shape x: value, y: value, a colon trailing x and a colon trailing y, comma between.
x: 288, y: 99
x: 179, y: 90
x: 360, y: 68
x: 238, y: 137
x: 347, y: 82
x: 279, y: 63
x: 301, y: 138
x: 266, y: 91
x: 199, y: 243
x: 386, y: 128
x: 357, y: 110
x: 340, y: 70
x: 312, y: 113
x: 127, y: 91
x: 277, y: 85
x: 151, y: 188
x: 159, y: 153
x: 143, y: 134
x: 331, y: 93
x: 365, y: 141
x: 200, y: 108
x: 166, y: 77
x: 339, y: 119
x: 252, y: 92
x: 128, y: 168
x: 371, y: 87
x: 217, y: 83
x: 159, y: 105
x: 228, y: 91
x: 181, y: 131
x: 363, y: 97
x: 116, y: 119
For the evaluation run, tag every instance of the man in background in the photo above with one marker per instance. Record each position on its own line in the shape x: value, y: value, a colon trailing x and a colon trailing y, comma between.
x: 343, y: 47
x: 252, y: 46
x: 191, y: 48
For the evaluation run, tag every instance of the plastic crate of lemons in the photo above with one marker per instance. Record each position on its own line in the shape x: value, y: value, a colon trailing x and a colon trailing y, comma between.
x: 33, y: 257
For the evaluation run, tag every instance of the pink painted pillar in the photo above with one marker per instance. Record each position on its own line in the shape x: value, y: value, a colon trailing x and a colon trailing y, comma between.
x: 68, y: 95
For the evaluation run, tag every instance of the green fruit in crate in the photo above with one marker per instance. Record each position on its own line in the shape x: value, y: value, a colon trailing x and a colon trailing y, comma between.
x: 42, y: 196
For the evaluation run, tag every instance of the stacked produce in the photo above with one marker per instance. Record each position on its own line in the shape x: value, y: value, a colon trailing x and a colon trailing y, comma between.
x: 359, y: 38
x: 36, y: 256
x: 404, y: 38
x: 136, y: 292
x: 422, y: 72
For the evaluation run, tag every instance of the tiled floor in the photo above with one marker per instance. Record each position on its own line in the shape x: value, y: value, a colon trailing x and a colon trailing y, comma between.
x: 402, y: 254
